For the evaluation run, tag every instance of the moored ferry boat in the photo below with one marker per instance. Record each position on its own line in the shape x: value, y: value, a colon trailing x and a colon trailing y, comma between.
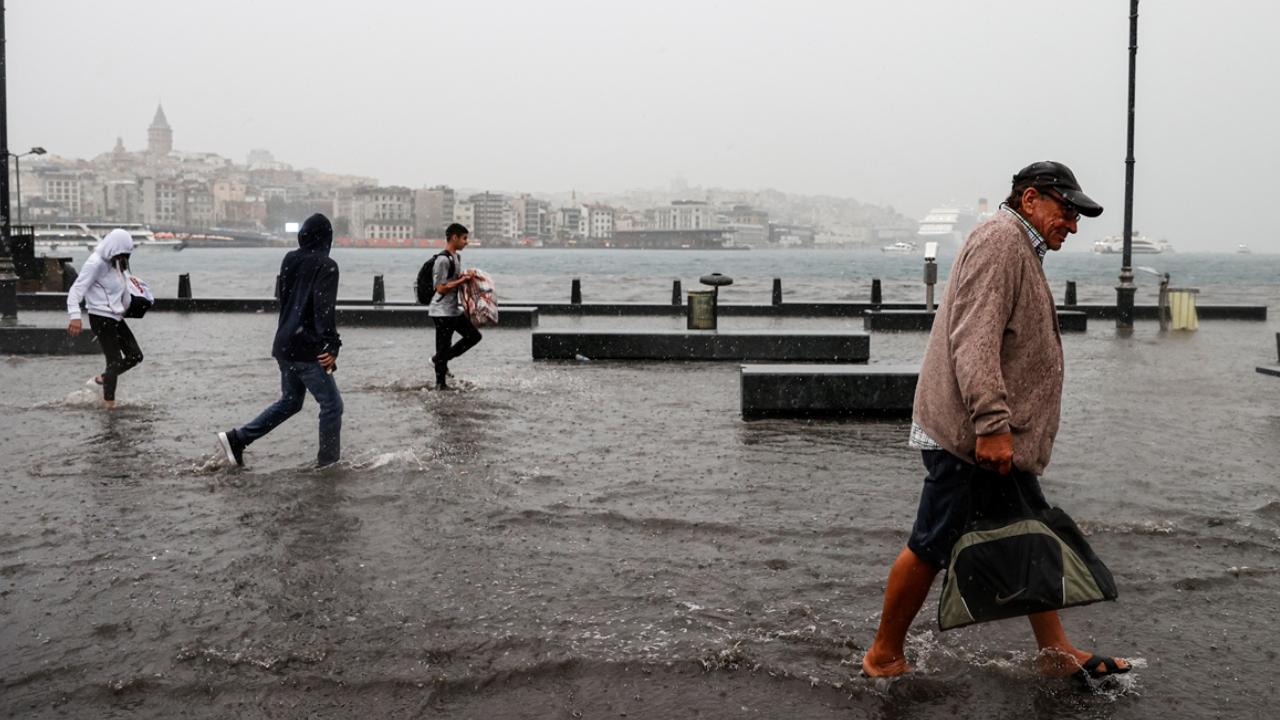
x: 901, y: 247
x: 55, y: 237
x: 1141, y: 245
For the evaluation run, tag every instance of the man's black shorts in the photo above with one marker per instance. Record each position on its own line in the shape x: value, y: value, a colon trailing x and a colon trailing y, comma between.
x: 954, y: 488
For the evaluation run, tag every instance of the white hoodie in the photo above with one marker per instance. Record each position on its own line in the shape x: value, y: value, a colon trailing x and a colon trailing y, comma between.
x: 100, y: 283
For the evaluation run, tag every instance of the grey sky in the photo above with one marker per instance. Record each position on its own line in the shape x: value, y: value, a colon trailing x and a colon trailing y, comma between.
x: 909, y: 104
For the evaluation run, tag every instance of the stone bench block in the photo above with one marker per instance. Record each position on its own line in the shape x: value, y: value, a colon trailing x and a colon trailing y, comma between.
x: 828, y: 390
x: 843, y: 347
x: 922, y: 320
x: 415, y: 316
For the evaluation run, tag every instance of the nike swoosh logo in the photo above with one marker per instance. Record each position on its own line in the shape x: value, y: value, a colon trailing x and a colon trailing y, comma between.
x: 1004, y: 599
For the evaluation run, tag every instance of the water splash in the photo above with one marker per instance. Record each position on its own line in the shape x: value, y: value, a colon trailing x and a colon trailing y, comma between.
x: 375, y: 460
x: 214, y: 463
x: 82, y: 398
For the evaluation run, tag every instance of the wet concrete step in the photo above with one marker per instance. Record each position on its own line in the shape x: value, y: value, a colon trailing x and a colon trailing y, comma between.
x: 907, y: 320
x: 28, y: 340
x: 415, y: 316
x: 828, y: 390
x: 779, y: 345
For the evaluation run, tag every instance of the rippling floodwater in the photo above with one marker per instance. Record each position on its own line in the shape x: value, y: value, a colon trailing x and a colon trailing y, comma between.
x: 598, y: 539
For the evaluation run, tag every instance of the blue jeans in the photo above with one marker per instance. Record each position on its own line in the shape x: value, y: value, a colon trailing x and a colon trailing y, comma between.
x: 296, y: 379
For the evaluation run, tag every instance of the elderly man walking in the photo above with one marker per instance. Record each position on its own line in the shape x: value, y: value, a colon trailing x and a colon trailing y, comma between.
x: 987, y: 404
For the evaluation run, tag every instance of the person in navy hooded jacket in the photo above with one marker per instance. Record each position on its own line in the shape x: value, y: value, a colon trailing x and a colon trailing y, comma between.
x: 306, y: 346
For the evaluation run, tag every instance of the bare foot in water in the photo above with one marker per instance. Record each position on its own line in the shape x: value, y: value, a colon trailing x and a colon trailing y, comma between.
x: 109, y: 404
x: 884, y: 667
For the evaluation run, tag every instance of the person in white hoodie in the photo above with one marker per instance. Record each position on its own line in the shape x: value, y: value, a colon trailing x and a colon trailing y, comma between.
x: 102, y: 286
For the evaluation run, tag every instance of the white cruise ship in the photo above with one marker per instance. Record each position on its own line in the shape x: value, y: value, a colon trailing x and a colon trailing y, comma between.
x: 949, y: 226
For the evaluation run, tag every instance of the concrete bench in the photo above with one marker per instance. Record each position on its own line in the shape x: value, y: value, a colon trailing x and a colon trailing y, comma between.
x: 415, y: 316
x: 25, y: 340
x: 845, y: 347
x: 922, y: 320
x: 1272, y: 369
x: 828, y: 390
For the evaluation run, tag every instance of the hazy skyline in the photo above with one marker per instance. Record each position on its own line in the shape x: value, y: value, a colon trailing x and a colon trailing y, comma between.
x: 908, y: 105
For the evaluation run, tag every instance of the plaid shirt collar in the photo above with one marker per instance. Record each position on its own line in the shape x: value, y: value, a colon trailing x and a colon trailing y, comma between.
x: 1037, y: 241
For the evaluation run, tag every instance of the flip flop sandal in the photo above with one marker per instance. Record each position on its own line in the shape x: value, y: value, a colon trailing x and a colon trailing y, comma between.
x: 1098, y: 667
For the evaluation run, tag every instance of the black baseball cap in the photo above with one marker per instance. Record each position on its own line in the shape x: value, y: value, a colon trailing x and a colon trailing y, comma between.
x: 1059, y: 177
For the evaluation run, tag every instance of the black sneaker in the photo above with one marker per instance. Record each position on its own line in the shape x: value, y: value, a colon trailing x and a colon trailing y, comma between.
x: 231, y: 447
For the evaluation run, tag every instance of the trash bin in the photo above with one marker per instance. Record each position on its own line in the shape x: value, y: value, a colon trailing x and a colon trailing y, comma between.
x: 700, y: 310
x: 1182, y: 308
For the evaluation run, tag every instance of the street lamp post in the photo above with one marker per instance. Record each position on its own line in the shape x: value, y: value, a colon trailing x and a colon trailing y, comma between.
x: 8, y: 280
x: 1126, y: 289
x: 17, y: 174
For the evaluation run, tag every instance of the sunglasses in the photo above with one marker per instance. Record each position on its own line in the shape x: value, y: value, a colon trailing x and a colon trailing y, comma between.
x: 1070, y: 212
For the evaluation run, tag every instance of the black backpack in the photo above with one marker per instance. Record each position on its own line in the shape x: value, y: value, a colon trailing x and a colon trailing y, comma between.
x: 425, y: 289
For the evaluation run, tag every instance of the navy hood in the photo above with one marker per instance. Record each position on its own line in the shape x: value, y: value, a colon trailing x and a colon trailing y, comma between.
x: 308, y: 293
x: 316, y: 234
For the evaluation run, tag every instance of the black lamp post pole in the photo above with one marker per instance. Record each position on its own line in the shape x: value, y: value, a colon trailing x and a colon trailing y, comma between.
x: 1126, y: 289
x: 17, y: 183
x: 8, y: 280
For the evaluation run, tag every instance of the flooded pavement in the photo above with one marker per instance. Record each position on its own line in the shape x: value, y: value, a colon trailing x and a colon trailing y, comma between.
x: 598, y: 539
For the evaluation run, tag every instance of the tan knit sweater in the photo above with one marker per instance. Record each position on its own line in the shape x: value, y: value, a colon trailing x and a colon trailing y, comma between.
x: 994, y: 360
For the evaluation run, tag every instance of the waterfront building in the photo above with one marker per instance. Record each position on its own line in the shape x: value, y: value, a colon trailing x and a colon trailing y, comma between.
x: 63, y: 189
x: 120, y: 201
x: 790, y: 235
x: 597, y: 221
x: 382, y: 213
x: 568, y: 227
x: 494, y: 218
x: 464, y: 213
x: 743, y: 214
x: 683, y: 215
x: 533, y: 218
x: 162, y: 202
x: 197, y: 204
x: 433, y: 211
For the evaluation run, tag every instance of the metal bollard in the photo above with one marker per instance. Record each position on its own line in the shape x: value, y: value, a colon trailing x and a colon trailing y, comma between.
x: 675, y: 293
x: 379, y: 290
x: 1162, y: 303
x: 575, y: 292
x: 184, y: 285
x: 875, y: 291
x: 1070, y: 299
x: 777, y: 291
